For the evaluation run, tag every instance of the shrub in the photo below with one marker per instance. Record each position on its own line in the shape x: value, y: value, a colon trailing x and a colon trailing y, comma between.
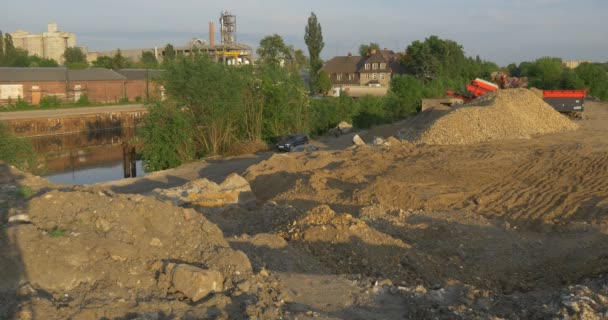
x: 16, y: 151
x: 123, y: 100
x: 167, y: 134
x: 50, y: 102
x: 83, y: 100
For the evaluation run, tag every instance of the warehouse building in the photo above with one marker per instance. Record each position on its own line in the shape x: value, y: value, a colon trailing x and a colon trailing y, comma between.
x: 98, y: 84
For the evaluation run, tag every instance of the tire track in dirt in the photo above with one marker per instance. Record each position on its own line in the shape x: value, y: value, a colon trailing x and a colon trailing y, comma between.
x: 555, y: 186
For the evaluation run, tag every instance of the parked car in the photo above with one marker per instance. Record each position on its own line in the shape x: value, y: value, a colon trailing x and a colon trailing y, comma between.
x: 288, y: 144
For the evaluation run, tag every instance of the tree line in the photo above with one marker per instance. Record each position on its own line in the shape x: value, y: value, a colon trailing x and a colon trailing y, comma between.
x: 551, y: 73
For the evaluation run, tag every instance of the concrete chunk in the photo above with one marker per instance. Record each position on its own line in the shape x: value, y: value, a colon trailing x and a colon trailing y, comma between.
x: 195, y: 283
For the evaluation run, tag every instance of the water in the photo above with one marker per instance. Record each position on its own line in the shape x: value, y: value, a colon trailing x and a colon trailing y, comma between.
x: 85, y: 157
x: 101, y: 173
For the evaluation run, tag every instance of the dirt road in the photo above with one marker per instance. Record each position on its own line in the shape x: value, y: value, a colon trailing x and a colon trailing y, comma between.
x: 37, y: 114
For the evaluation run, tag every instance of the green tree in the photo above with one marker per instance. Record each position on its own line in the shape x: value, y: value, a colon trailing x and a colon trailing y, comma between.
x: 595, y: 78
x: 36, y: 61
x: 1, y: 47
x: 313, y: 36
x: 301, y: 59
x: 324, y: 83
x: 120, y: 62
x: 546, y: 73
x: 103, y: 62
x: 273, y: 51
x: 436, y: 58
x: 366, y: 49
x: 148, y: 60
x: 75, y: 58
x: 169, y: 53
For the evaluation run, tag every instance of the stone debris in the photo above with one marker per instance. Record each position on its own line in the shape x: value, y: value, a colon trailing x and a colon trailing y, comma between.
x: 195, y: 283
x: 379, y: 141
x: 342, y: 128
x: 19, y: 218
x: 358, y: 141
x: 204, y: 193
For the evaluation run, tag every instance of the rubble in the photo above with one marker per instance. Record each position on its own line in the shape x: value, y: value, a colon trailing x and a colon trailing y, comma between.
x: 195, y: 283
x: 204, y: 193
x: 358, y: 141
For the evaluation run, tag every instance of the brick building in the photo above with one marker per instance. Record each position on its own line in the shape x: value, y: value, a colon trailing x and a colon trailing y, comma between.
x: 141, y: 84
x: 100, y: 85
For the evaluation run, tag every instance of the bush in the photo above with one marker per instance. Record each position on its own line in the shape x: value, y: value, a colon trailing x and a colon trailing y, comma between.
x: 50, y: 102
x: 83, y: 100
x: 16, y: 151
x: 123, y: 100
x: 168, y: 138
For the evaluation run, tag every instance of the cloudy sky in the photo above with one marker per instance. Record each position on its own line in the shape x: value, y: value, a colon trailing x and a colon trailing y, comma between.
x: 503, y: 31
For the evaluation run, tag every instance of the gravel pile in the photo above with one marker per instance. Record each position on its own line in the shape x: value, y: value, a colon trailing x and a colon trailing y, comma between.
x: 504, y: 114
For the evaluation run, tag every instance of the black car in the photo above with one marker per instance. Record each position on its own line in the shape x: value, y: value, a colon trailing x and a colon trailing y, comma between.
x: 292, y: 141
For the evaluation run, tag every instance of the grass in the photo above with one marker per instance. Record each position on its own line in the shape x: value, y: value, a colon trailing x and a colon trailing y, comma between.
x: 57, y: 232
x: 25, y: 192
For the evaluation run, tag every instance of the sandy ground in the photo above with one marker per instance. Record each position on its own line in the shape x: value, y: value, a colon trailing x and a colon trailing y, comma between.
x: 510, y: 229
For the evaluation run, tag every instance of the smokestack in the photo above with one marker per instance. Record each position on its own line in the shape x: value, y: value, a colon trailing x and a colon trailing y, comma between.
x: 211, y: 33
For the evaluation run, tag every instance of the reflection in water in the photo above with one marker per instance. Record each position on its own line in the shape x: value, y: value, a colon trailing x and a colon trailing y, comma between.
x: 85, y: 157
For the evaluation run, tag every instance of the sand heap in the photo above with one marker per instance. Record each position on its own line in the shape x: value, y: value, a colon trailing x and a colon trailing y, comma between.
x: 504, y: 114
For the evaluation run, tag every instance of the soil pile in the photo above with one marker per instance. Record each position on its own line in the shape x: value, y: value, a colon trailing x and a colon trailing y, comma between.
x: 504, y: 114
x: 348, y: 245
x: 89, y: 254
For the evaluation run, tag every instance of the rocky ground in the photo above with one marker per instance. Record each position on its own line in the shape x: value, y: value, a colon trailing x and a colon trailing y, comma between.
x: 508, y: 229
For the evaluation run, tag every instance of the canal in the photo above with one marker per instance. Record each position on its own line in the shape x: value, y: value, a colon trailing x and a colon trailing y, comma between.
x: 88, y: 157
x: 82, y: 145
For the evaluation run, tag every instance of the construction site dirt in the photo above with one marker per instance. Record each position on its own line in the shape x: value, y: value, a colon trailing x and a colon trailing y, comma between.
x: 512, y: 228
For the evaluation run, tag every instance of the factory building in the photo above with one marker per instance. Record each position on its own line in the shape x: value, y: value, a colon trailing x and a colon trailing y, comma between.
x: 50, y: 44
x: 228, y: 51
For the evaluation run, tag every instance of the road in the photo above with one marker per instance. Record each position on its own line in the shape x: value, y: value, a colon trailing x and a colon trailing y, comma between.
x: 45, y: 114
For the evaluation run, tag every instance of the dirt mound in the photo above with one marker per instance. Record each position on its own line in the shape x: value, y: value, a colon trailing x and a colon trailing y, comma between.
x: 348, y: 245
x: 504, y: 114
x: 89, y: 253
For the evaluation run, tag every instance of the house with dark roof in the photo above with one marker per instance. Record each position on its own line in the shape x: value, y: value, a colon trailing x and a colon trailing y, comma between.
x: 98, y: 84
x: 350, y: 73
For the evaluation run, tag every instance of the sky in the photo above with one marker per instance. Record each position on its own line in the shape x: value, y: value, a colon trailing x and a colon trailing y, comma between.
x: 501, y: 31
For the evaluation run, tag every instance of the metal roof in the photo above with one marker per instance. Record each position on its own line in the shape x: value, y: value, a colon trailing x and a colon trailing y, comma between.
x: 94, y: 74
x: 11, y: 74
x: 140, y: 74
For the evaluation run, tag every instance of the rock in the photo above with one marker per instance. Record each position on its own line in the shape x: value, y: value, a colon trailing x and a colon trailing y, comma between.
x: 358, y: 141
x: 344, y: 127
x: 208, y: 194
x: 244, y: 286
x: 20, y: 218
x: 156, y: 242
x: 379, y: 141
x: 195, y: 283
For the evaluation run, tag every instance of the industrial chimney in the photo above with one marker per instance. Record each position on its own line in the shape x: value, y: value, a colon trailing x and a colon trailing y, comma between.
x: 211, y: 33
